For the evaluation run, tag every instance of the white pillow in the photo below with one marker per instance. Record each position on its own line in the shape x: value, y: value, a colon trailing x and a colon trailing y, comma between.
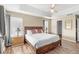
x: 29, y: 32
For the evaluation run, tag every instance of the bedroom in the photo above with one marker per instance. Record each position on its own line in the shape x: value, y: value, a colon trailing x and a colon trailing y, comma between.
x: 38, y: 19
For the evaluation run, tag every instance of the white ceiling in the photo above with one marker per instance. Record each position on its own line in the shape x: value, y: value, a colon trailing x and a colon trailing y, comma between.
x: 58, y: 7
x: 62, y: 7
x: 43, y: 7
x: 67, y: 9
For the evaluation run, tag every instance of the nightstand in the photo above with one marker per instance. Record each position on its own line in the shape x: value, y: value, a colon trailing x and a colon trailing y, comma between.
x: 17, y: 40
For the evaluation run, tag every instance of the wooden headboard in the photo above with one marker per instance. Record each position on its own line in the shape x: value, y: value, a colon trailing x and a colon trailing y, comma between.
x: 32, y: 27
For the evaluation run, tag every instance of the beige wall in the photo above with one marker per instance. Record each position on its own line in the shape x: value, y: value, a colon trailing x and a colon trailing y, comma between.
x: 49, y: 26
x: 54, y: 26
x: 32, y: 21
x: 65, y: 32
x: 28, y: 20
x: 69, y: 32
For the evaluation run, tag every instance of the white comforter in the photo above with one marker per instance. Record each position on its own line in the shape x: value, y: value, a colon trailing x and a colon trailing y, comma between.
x: 41, y: 39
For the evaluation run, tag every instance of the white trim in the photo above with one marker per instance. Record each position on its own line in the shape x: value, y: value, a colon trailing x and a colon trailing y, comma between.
x: 28, y: 13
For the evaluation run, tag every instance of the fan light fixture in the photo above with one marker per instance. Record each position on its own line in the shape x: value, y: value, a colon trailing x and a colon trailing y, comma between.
x: 52, y: 8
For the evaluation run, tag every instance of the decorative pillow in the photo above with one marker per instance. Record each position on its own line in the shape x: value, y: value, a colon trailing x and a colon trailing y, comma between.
x: 40, y: 31
x: 29, y: 32
x: 34, y: 31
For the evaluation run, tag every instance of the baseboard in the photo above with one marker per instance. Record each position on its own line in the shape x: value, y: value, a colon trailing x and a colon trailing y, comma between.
x: 68, y: 39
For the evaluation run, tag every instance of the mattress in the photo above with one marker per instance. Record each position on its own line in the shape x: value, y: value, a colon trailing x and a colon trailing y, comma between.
x: 41, y: 39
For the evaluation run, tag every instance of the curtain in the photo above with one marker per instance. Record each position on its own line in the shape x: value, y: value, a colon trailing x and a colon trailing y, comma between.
x: 8, y: 37
x: 45, y: 25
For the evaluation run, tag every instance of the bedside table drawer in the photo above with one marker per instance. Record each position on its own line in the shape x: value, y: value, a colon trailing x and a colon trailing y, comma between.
x: 17, y: 40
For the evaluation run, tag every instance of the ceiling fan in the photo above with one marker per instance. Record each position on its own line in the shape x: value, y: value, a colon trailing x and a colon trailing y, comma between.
x: 53, y: 8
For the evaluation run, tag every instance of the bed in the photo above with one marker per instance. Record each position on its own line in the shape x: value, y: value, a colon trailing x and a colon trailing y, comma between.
x: 39, y: 41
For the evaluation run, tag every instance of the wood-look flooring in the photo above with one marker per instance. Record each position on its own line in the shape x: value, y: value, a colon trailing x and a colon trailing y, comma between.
x: 66, y: 48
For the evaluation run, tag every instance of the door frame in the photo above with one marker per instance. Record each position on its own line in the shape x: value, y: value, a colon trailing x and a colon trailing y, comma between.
x: 77, y: 16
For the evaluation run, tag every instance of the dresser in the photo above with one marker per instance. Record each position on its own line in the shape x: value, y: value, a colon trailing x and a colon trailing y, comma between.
x: 19, y: 40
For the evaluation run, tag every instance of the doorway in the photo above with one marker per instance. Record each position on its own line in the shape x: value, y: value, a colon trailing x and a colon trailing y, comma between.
x: 59, y: 28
